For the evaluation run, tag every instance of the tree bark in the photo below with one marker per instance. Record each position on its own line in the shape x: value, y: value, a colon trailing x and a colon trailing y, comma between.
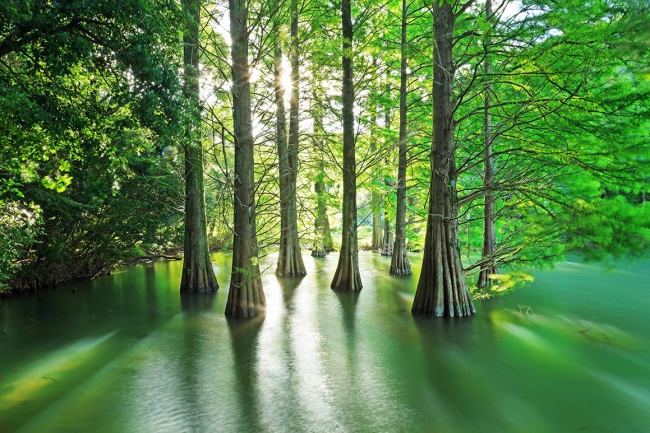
x: 442, y: 290
x: 290, y: 261
x: 198, y: 274
x: 489, y: 230
x: 377, y: 234
x: 347, y: 277
x: 246, y: 296
x: 375, y: 198
x: 387, y: 249
x: 400, y: 264
x: 322, y: 234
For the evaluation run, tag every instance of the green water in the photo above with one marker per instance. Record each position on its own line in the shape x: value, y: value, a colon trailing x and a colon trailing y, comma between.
x: 127, y: 353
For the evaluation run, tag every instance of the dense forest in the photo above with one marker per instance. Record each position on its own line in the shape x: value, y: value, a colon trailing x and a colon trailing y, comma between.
x: 491, y: 136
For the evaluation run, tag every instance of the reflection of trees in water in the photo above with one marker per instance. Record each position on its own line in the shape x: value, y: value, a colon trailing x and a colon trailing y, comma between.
x: 288, y: 285
x: 197, y: 303
x: 243, y: 336
x: 453, y: 366
x: 193, y: 306
x: 348, y: 301
x: 151, y: 298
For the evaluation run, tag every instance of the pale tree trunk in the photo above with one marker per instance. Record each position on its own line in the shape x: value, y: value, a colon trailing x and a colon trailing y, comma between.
x: 375, y: 203
x: 489, y: 230
x: 347, y: 277
x: 198, y: 275
x: 400, y: 264
x: 246, y: 296
x: 377, y: 231
x: 289, y: 258
x: 318, y: 249
x: 375, y: 198
x: 322, y: 233
x: 442, y: 290
x: 387, y: 249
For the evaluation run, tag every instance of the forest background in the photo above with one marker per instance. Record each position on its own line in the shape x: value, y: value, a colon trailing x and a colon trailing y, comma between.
x: 108, y: 108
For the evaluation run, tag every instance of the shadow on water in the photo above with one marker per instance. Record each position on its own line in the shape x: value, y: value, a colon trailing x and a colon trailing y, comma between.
x: 244, y: 335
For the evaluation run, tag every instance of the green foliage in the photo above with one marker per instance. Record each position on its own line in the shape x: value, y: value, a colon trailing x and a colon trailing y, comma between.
x: 502, y: 284
x: 92, y: 118
x: 19, y: 228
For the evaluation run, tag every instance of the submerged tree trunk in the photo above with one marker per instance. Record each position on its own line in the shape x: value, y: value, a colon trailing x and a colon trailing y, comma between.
x: 198, y: 275
x: 289, y: 258
x: 489, y: 230
x: 442, y: 290
x: 347, y: 277
x: 246, y: 296
x: 400, y: 264
x: 387, y: 249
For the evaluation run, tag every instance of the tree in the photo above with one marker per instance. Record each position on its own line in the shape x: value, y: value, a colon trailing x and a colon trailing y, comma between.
x: 87, y: 88
x: 246, y: 296
x: 322, y: 232
x: 198, y: 275
x: 489, y: 246
x: 400, y: 264
x: 347, y: 277
x: 290, y: 261
x: 442, y: 290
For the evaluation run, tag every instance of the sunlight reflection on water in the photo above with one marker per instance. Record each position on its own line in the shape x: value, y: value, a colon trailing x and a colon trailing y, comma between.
x: 321, y: 361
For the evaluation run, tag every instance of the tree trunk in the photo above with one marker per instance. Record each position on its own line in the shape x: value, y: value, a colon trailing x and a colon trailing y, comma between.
x: 246, y: 296
x: 399, y: 264
x: 489, y: 230
x: 387, y: 249
x: 198, y: 275
x: 375, y: 197
x: 289, y: 258
x: 442, y: 290
x: 347, y: 277
x: 377, y: 235
x: 318, y: 249
x: 322, y: 233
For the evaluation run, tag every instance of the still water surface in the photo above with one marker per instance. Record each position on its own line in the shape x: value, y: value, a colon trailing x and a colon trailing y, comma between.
x: 127, y: 353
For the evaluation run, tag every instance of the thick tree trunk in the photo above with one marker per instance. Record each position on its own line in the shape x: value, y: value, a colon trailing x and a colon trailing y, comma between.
x: 289, y: 257
x: 489, y: 230
x: 246, y: 296
x: 198, y: 275
x: 442, y: 290
x: 387, y: 249
x: 400, y: 264
x: 347, y: 277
